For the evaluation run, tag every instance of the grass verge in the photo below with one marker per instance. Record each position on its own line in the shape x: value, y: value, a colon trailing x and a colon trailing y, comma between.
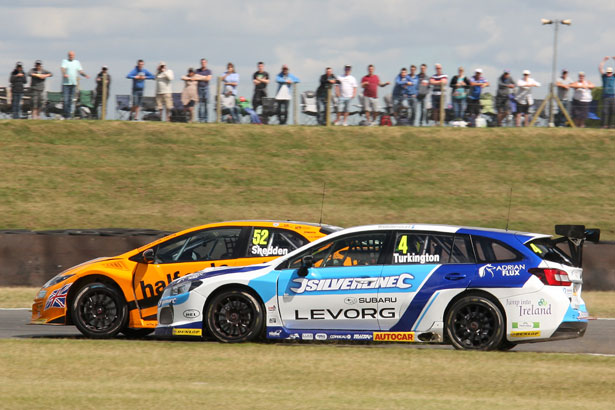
x: 107, y: 374
x: 91, y: 174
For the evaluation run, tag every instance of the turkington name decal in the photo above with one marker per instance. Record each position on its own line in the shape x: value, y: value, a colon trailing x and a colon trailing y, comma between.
x: 414, y: 258
x: 387, y: 282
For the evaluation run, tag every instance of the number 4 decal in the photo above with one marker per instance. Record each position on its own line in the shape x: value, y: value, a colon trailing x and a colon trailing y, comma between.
x: 403, y: 244
x: 260, y: 237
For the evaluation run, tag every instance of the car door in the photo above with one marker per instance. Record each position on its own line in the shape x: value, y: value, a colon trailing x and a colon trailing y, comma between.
x: 179, y: 256
x: 344, y: 270
x: 425, y: 262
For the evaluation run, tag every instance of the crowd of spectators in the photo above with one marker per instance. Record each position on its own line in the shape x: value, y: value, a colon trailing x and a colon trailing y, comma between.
x: 408, y: 96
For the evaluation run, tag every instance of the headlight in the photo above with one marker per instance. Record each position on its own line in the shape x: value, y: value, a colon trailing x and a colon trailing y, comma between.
x: 56, y: 279
x: 184, y: 287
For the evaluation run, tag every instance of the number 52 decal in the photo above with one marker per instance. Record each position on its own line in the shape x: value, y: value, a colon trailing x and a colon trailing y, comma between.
x: 260, y: 237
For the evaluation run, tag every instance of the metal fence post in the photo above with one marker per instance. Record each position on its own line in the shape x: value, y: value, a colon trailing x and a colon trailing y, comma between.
x: 295, y: 105
x: 442, y: 99
x: 218, y: 89
x: 328, y: 108
x: 104, y: 96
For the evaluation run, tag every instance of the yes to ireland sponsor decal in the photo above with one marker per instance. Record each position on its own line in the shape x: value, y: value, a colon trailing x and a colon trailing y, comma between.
x: 394, y: 337
x: 386, y: 282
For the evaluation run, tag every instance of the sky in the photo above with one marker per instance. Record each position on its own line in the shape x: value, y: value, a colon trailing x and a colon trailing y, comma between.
x: 308, y: 36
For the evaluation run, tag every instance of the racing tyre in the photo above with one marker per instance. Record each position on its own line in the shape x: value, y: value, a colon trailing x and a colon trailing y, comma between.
x: 131, y: 333
x: 475, y: 323
x: 99, y: 311
x: 506, y: 345
x: 235, y: 316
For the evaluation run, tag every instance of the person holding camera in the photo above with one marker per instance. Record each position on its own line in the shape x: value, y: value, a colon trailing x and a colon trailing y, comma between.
x: 164, y: 90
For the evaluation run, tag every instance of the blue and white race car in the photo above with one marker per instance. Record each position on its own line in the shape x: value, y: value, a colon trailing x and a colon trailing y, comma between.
x: 473, y: 288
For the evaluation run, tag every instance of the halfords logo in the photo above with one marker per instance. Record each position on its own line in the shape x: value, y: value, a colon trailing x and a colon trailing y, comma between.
x: 504, y: 270
x: 393, y: 336
x: 314, y: 285
x: 187, y: 332
x: 528, y: 333
x: 269, y: 251
x: 414, y: 258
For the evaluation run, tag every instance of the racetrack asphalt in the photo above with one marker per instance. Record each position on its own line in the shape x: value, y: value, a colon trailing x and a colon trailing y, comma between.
x: 599, y: 338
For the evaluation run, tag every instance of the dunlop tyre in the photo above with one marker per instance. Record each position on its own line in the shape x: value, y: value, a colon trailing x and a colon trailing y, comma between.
x: 475, y: 323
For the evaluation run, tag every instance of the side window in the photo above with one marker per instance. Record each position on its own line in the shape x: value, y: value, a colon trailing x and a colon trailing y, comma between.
x: 211, y: 244
x: 356, y: 250
x: 462, y: 250
x: 492, y: 250
x: 420, y: 248
x: 273, y: 242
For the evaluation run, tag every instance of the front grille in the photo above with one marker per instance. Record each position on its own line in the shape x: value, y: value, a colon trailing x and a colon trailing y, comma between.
x: 166, y: 315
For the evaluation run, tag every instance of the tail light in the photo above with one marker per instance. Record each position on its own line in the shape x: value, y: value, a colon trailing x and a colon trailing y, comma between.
x: 553, y: 277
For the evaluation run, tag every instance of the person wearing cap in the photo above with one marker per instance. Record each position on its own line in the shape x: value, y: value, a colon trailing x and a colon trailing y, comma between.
x: 437, y: 81
x: 285, y: 82
x: 228, y: 102
x: 138, y: 75
x: 37, y: 75
x: 164, y: 90
x: 346, y: 90
x: 581, y: 99
x: 506, y: 87
x: 370, y: 84
x: 104, y: 73
x: 231, y: 78
x: 70, y: 69
x: 524, y: 98
x: 18, y: 80
x: 327, y: 81
x: 477, y: 83
x: 246, y: 108
x: 563, y: 84
x: 203, y: 90
x: 608, y: 94
x: 460, y: 84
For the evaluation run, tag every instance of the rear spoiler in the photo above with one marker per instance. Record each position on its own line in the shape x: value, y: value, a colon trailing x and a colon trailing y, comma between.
x: 575, y: 236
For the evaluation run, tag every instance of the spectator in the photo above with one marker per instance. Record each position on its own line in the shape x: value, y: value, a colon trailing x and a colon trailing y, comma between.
x: 37, y: 85
x: 99, y: 90
x: 413, y: 89
x: 190, y: 94
x: 421, y: 96
x: 18, y: 80
x: 327, y: 80
x: 460, y: 85
x: 164, y: 90
x: 524, y: 98
x: 581, y: 99
x: 260, y: 79
x: 563, y: 84
x: 346, y: 91
x: 138, y: 75
x: 437, y: 81
x: 608, y: 94
x: 228, y: 101
x: 370, y: 84
x: 70, y: 69
x: 477, y: 83
x: 244, y: 105
x: 401, y: 93
x: 506, y: 86
x: 285, y: 81
x: 231, y: 78
x: 203, y: 89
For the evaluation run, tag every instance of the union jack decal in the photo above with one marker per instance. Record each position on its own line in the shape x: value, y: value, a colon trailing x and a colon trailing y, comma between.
x: 58, y: 297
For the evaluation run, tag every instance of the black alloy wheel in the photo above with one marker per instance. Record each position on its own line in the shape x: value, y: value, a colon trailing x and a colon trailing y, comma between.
x: 99, y: 311
x: 475, y: 323
x: 235, y: 316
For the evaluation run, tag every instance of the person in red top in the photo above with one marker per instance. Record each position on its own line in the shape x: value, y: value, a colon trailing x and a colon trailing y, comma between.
x: 370, y: 84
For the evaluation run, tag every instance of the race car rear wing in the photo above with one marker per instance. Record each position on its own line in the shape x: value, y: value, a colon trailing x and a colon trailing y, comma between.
x: 575, y: 236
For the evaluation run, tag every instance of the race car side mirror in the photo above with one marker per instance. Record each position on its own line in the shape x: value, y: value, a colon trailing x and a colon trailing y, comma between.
x: 306, y: 263
x: 148, y: 256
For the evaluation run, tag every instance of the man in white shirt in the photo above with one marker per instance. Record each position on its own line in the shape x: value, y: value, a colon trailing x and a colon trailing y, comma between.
x: 524, y: 99
x: 346, y: 90
x: 164, y: 90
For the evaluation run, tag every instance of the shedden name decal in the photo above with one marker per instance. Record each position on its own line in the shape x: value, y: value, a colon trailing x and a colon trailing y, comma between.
x: 268, y: 251
x: 314, y: 285
x: 394, y: 337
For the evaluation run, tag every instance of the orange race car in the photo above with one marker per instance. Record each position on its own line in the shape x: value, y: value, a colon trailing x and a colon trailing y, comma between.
x: 105, y: 296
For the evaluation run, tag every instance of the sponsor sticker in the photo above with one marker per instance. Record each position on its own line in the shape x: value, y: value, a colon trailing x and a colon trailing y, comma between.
x: 307, y: 336
x: 526, y: 333
x: 321, y: 336
x: 187, y: 332
x: 275, y: 333
x: 273, y: 320
x: 294, y: 336
x: 362, y: 336
x: 394, y: 337
x: 191, y: 313
x: 503, y: 270
x: 340, y: 337
x: 320, y: 285
x: 525, y: 325
x: 57, y: 298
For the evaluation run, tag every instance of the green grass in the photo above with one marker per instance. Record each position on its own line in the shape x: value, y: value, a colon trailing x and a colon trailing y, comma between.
x: 90, y: 174
x: 116, y: 374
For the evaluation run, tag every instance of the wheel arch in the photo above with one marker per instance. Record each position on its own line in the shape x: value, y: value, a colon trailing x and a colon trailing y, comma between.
x: 233, y: 286
x: 83, y: 281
